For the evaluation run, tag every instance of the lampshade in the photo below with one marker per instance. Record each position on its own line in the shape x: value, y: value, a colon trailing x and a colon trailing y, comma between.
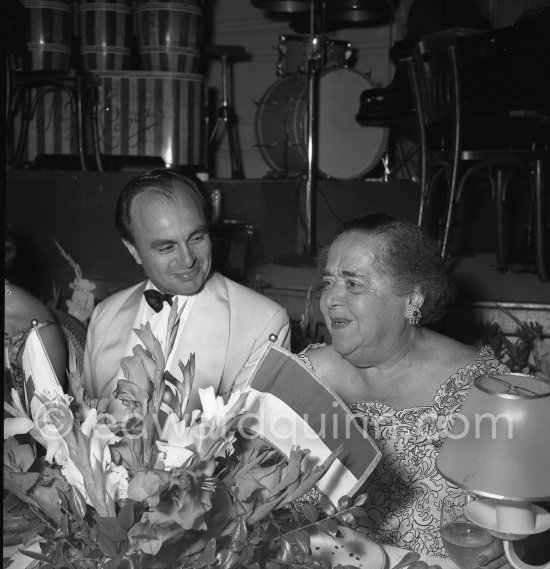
x: 499, y: 444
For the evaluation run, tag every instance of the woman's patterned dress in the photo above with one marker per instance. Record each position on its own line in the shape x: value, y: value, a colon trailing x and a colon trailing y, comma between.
x: 405, y: 491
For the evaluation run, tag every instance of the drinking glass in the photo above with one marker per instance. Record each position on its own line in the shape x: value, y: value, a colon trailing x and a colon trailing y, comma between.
x: 462, y: 539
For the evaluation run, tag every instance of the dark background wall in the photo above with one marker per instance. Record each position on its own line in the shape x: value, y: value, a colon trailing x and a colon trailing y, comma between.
x: 76, y: 209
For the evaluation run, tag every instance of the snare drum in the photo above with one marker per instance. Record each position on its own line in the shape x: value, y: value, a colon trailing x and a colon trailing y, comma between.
x: 346, y: 150
x: 293, y: 54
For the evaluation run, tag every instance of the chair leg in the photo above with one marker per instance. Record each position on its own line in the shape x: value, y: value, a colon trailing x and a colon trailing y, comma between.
x: 498, y: 196
x: 540, y: 218
x: 91, y: 104
x: 423, y: 191
x: 76, y: 102
x: 420, y: 221
x: 21, y: 105
x: 500, y: 190
x: 451, y: 203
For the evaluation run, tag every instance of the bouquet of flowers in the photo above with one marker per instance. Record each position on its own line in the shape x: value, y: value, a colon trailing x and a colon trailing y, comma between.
x: 162, y: 487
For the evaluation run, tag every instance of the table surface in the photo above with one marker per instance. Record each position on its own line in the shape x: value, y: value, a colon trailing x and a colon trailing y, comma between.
x: 393, y: 556
x: 17, y: 559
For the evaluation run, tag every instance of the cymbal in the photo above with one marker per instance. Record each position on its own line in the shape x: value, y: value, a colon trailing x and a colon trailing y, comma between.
x: 300, y: 23
x: 358, y: 10
x: 287, y: 6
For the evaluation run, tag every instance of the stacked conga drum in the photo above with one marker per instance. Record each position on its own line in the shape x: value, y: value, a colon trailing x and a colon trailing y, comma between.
x: 49, y: 34
x: 44, y: 44
x: 106, y: 30
x: 169, y: 35
x: 145, y: 55
x: 157, y: 107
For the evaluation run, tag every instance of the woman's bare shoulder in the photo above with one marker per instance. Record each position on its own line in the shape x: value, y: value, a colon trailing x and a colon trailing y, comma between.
x: 318, y: 352
x: 326, y: 362
x: 22, y: 307
x: 450, y: 353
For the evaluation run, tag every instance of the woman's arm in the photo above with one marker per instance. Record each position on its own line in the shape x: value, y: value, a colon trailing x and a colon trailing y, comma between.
x: 56, y: 348
x: 20, y: 309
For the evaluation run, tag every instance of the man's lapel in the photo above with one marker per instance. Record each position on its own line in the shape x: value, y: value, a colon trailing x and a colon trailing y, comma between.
x: 206, y: 334
x: 120, y: 339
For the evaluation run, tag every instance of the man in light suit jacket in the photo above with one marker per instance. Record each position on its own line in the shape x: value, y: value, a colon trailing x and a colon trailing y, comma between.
x: 162, y: 218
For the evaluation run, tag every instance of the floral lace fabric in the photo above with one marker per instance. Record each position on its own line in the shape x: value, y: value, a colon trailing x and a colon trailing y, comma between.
x: 405, y: 491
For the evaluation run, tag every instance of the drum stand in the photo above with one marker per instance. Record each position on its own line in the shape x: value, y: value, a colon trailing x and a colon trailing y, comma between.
x: 226, y: 120
x: 315, y: 58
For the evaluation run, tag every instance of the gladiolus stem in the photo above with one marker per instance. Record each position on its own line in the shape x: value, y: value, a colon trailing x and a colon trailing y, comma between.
x: 313, y: 523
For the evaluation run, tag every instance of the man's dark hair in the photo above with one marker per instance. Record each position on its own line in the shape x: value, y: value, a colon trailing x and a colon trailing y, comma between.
x: 166, y: 183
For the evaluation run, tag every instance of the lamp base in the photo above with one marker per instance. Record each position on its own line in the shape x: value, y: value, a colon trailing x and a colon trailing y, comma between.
x: 516, y: 562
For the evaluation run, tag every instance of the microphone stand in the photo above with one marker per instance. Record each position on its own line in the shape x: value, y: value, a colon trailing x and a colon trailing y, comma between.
x: 315, y: 59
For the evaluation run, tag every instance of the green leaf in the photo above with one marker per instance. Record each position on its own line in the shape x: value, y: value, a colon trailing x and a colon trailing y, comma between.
x: 327, y: 506
x: 126, y: 515
x: 310, y: 512
x: 107, y: 545
x: 255, y: 540
x: 115, y: 563
x: 127, y: 453
x: 111, y: 528
x: 112, y: 538
x: 64, y: 525
x: 363, y: 521
x: 209, y: 553
x: 31, y: 533
x: 63, y: 499
x: 329, y: 527
x: 346, y: 517
x: 48, y: 508
x: 291, y: 551
x: 360, y: 500
x: 24, y: 480
x: 301, y: 539
x: 34, y: 555
x: 344, y: 502
x: 77, y: 503
x: 229, y: 559
x: 240, y: 535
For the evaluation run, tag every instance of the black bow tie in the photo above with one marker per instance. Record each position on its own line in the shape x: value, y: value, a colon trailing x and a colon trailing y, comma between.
x: 155, y: 299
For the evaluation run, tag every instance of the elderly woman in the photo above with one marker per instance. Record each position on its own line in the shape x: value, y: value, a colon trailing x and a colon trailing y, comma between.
x: 382, y: 281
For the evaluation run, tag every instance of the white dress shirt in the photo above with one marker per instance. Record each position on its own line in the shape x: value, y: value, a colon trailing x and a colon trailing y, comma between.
x: 159, y: 320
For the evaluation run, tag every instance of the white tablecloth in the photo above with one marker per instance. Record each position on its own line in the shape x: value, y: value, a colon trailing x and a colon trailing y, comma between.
x: 18, y: 560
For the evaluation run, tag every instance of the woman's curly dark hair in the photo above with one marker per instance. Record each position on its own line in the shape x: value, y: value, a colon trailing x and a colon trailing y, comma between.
x: 407, y: 255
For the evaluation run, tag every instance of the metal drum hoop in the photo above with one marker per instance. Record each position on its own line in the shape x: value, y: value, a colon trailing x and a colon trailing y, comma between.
x: 346, y: 150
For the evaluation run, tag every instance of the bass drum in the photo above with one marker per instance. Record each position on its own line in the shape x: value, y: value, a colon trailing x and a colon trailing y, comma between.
x: 345, y: 150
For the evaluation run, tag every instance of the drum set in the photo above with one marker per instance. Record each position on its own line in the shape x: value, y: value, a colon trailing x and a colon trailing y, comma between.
x: 345, y: 149
x: 305, y: 122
